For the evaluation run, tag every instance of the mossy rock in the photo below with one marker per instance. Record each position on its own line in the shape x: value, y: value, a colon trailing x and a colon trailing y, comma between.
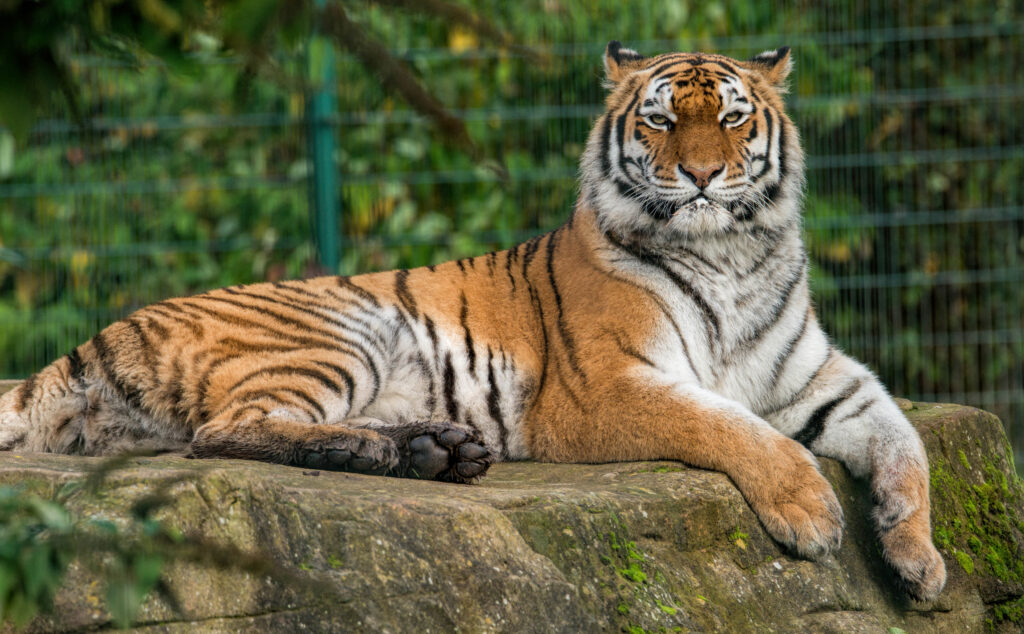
x: 552, y: 548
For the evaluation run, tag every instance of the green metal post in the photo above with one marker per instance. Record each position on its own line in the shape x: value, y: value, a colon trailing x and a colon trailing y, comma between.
x: 320, y: 109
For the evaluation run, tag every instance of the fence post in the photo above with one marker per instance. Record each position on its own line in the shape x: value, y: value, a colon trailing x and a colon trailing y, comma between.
x: 320, y: 110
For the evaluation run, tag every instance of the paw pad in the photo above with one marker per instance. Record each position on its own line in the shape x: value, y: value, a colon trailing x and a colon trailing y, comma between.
x: 452, y: 455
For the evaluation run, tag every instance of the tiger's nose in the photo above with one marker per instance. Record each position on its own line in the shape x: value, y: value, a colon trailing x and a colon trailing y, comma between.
x: 702, y: 177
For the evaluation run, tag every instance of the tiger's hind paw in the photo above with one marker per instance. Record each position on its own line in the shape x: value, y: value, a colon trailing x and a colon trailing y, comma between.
x: 370, y: 456
x: 448, y: 454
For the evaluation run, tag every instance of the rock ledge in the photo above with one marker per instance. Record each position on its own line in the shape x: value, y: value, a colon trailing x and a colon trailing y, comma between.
x: 553, y: 548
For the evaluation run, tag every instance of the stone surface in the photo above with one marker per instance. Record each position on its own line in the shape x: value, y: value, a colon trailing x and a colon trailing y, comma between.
x: 552, y: 548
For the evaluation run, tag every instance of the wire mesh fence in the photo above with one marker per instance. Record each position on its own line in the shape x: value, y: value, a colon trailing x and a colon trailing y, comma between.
x: 910, y: 115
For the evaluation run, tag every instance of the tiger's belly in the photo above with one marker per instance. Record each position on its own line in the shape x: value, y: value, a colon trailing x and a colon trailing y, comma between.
x: 439, y: 380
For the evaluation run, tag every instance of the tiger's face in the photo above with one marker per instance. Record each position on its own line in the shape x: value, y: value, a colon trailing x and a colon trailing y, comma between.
x: 693, y: 144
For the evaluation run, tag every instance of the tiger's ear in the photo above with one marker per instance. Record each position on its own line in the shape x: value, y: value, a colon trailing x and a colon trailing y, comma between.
x: 620, y: 62
x: 774, y: 65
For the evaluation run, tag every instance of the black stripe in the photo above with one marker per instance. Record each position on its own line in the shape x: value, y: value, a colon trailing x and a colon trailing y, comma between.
x: 76, y: 367
x: 769, y: 121
x: 108, y: 362
x: 359, y: 291
x: 629, y: 350
x: 176, y: 390
x: 204, y: 383
x: 711, y: 321
x: 188, y: 321
x: 345, y: 376
x: 313, y: 310
x: 696, y: 256
x: 283, y: 370
x: 800, y: 393
x: 568, y: 390
x: 285, y: 286
x: 772, y: 193
x: 753, y: 128
x: 449, y: 388
x: 156, y: 328
x: 258, y: 395
x: 28, y: 387
x: 860, y: 410
x: 620, y: 131
x: 508, y: 267
x: 671, y: 61
x: 312, y: 402
x: 777, y: 241
x: 238, y: 412
x: 432, y: 333
x: 665, y: 310
x: 471, y: 423
x: 538, y: 307
x: 430, y: 369
x: 403, y: 294
x: 530, y: 250
x: 815, y: 424
x: 787, y: 350
x: 237, y: 345
x: 463, y: 320
x: 342, y: 343
x: 777, y: 310
x: 494, y: 402
x: 145, y: 346
x: 606, y: 138
x: 563, y: 328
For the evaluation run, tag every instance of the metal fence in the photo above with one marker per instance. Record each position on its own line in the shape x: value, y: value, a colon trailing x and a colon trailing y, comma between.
x: 910, y: 114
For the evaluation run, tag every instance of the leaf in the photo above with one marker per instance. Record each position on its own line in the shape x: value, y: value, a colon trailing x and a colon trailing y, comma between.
x: 122, y: 602
x: 147, y: 570
x: 53, y: 515
x: 20, y: 610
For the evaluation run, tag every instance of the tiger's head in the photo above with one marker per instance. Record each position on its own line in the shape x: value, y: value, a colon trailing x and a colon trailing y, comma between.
x: 693, y: 145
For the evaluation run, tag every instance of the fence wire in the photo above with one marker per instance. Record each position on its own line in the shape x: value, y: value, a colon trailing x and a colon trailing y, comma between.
x: 909, y: 111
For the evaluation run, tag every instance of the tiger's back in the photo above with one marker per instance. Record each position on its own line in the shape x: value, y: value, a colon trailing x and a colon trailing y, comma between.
x: 669, y: 318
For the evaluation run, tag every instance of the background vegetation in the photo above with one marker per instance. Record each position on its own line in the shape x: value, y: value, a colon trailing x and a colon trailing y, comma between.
x: 195, y: 175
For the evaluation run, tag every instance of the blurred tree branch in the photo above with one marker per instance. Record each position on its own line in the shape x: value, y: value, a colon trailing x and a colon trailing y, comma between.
x: 35, y: 62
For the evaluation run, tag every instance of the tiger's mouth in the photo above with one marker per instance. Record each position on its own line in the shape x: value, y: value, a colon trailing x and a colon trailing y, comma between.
x: 665, y: 209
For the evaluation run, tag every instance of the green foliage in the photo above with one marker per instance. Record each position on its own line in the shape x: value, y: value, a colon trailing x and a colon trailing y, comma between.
x: 32, y: 560
x: 41, y: 535
x: 39, y: 538
x: 981, y: 519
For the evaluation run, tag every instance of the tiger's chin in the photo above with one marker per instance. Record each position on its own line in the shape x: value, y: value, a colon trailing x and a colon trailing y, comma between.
x: 700, y: 217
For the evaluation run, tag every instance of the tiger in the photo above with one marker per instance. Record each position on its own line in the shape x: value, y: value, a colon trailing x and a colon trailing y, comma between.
x: 668, y: 318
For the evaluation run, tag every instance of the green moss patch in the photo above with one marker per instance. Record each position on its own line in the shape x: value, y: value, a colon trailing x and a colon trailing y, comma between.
x: 977, y: 517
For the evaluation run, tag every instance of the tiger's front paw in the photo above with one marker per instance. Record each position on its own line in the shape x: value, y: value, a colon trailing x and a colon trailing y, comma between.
x: 909, y: 550
x: 797, y: 506
x: 902, y: 517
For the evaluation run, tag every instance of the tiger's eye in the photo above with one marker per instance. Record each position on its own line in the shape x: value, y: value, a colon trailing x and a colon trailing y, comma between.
x: 732, y: 117
x: 658, y: 119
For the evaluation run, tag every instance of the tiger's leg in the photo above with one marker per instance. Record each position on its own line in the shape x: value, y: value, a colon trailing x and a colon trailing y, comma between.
x: 651, y: 417
x: 266, y: 431
x: 433, y: 451
x: 844, y: 412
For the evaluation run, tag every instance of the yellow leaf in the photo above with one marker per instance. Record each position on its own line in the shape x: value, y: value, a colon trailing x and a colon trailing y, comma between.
x: 459, y: 40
